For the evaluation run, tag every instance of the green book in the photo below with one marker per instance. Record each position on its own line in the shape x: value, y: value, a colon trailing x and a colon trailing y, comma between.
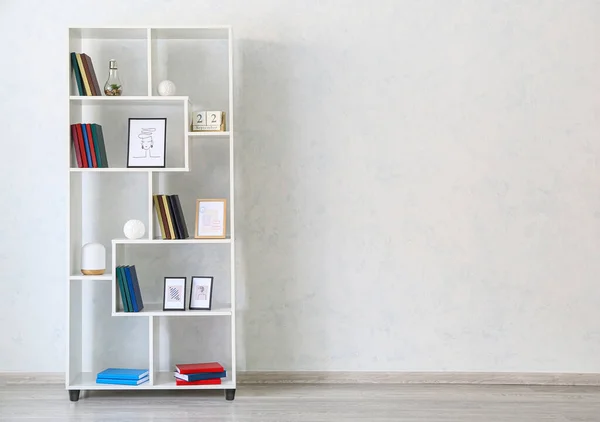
x: 121, y: 289
x: 124, y: 281
x: 102, y: 146
x: 96, y: 139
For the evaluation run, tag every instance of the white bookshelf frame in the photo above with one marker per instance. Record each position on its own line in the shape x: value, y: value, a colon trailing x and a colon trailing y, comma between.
x: 76, y: 380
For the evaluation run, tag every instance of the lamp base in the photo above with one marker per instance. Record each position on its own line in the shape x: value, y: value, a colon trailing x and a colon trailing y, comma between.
x: 93, y: 272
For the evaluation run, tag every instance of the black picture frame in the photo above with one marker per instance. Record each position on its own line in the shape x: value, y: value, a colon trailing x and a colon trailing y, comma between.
x: 164, y: 142
x: 165, y: 292
x: 212, y: 282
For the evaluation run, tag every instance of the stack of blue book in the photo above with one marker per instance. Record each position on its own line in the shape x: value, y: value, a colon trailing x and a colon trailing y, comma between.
x: 122, y: 376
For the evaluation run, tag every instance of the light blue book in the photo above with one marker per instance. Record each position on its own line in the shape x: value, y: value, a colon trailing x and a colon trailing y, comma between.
x: 121, y: 381
x: 122, y: 374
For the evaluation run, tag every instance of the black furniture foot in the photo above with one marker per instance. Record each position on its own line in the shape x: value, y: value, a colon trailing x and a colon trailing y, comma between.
x: 74, y: 395
x: 230, y: 394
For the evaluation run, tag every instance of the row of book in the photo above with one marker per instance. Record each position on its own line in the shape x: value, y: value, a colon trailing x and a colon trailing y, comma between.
x: 170, y: 217
x: 88, y: 143
x: 122, y: 376
x: 209, y: 373
x: 85, y: 75
x: 129, y: 287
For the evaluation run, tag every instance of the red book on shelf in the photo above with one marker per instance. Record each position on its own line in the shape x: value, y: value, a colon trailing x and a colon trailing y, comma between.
x: 81, y: 145
x: 76, y: 145
x: 199, y: 368
x: 215, y: 381
x: 91, y: 140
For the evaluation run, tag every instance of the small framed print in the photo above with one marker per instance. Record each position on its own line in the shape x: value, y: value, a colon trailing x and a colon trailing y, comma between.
x: 147, y: 143
x: 174, y: 294
x: 201, y: 293
x: 211, y: 215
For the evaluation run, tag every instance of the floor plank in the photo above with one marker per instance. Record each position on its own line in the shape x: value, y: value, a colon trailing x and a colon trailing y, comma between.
x: 318, y: 403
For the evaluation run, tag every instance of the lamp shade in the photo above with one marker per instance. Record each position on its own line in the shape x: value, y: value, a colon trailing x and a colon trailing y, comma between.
x: 93, y: 259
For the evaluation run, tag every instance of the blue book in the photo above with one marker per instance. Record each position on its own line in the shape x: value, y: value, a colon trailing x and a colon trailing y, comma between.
x: 123, y: 374
x: 86, y: 142
x: 202, y: 376
x: 121, y: 381
x: 131, y: 291
x: 136, y: 288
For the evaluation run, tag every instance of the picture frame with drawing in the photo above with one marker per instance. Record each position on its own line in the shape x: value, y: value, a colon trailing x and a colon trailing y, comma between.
x: 174, y: 294
x: 147, y: 142
x: 211, y: 219
x: 201, y: 293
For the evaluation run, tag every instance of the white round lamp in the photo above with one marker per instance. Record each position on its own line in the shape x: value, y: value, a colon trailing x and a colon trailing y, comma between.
x: 93, y: 259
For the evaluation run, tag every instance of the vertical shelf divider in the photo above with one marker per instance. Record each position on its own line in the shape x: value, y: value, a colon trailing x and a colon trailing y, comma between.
x: 150, y: 205
x: 149, y: 59
x: 151, y: 367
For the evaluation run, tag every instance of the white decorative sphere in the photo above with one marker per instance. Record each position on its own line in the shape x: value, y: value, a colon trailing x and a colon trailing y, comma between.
x: 134, y: 229
x: 93, y: 259
x: 166, y: 88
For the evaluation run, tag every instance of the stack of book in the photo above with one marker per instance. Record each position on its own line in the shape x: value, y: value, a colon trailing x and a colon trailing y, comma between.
x: 85, y: 76
x: 199, y: 373
x: 170, y: 217
x: 122, y: 376
x: 129, y: 287
x: 88, y: 142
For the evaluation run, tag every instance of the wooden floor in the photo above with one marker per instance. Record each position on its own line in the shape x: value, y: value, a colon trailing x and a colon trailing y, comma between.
x: 266, y: 403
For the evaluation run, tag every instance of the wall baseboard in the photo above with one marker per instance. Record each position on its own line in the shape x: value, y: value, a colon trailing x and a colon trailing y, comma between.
x: 358, y: 377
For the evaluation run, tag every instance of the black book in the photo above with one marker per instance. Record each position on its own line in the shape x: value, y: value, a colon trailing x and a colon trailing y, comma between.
x: 175, y: 217
x: 179, y: 212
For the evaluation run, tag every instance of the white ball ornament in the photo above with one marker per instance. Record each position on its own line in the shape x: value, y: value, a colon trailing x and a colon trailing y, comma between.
x: 166, y: 88
x: 134, y: 229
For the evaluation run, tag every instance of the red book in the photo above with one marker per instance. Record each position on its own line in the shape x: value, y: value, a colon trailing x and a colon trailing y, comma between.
x: 199, y: 368
x: 81, y: 145
x: 76, y: 145
x: 215, y: 381
x: 88, y: 128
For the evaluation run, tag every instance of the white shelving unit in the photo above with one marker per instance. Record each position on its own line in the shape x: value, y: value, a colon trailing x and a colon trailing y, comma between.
x: 198, y: 165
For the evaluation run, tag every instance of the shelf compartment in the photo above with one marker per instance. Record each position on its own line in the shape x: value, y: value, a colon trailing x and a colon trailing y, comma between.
x: 87, y: 381
x: 155, y: 309
x: 163, y: 381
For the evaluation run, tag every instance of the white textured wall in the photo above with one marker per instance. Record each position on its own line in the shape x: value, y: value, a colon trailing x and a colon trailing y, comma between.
x: 418, y: 180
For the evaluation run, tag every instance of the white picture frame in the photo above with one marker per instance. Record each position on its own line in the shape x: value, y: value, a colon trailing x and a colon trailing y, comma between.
x: 147, y: 142
x: 174, y: 294
x: 211, y: 219
x: 201, y: 291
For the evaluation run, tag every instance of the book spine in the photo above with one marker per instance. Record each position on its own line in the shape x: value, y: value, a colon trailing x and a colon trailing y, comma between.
x: 88, y: 128
x: 88, y: 91
x: 198, y: 377
x: 158, y: 214
x: 92, y: 73
x: 215, y: 381
x: 127, y: 296
x: 136, y: 288
x: 102, y: 146
x: 121, y: 288
x: 176, y: 224
x: 131, y: 289
x: 96, y: 142
x: 169, y: 221
x: 88, y: 154
x: 181, y: 217
x: 77, y: 74
x: 76, y: 146
x: 88, y: 74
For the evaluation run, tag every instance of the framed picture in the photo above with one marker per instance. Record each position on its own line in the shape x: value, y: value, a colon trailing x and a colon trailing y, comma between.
x: 201, y: 293
x: 174, y: 294
x: 147, y: 143
x: 211, y: 217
